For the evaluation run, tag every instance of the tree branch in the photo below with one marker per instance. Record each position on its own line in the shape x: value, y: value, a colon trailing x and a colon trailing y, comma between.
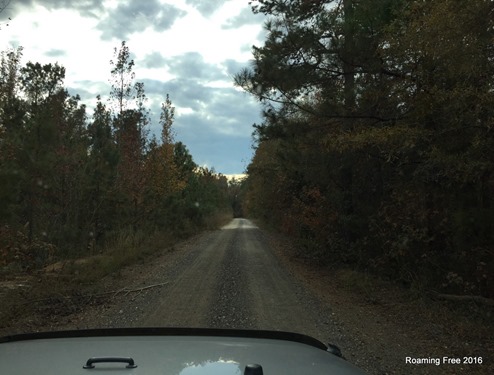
x: 460, y: 298
x: 114, y: 292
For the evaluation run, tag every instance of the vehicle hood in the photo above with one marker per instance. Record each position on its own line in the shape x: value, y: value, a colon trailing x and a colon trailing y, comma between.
x: 173, y: 354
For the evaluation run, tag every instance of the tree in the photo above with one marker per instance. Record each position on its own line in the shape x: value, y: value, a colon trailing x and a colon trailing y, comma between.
x: 42, y: 85
x: 323, y: 50
x: 9, y: 76
x: 12, y: 113
x: 65, y: 187
x: 67, y: 183
x: 449, y: 101
x: 130, y: 131
x: 122, y: 77
x: 101, y: 171
x: 41, y: 81
x: 378, y: 121
x: 183, y: 160
x: 163, y: 173
x: 43, y: 152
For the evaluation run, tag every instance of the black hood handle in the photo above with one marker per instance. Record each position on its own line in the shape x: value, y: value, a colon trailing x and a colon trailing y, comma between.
x: 91, y: 361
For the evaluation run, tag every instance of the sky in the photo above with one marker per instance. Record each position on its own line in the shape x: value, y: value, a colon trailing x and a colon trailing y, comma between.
x: 189, y: 49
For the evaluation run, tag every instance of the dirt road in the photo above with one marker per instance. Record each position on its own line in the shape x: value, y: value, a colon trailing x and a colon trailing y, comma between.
x: 233, y: 280
x: 240, y: 277
x: 225, y: 278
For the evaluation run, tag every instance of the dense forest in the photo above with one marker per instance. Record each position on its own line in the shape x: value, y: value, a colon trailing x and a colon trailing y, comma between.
x: 72, y: 184
x: 376, y: 149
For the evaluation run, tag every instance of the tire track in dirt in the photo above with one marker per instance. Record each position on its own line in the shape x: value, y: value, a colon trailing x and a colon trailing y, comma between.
x: 231, y: 308
x: 235, y: 281
x: 187, y: 301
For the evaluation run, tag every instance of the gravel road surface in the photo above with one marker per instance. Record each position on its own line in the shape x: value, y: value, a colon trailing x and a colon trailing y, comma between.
x: 229, y: 279
x: 240, y: 277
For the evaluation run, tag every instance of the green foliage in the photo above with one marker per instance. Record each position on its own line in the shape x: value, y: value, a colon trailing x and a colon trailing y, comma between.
x: 76, y: 187
x: 122, y: 77
x: 376, y: 145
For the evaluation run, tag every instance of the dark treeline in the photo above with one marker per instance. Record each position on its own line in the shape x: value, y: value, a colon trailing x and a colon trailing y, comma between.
x: 377, y: 146
x: 71, y: 182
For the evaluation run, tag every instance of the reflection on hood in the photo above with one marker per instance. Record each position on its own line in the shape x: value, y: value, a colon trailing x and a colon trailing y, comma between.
x: 220, y: 367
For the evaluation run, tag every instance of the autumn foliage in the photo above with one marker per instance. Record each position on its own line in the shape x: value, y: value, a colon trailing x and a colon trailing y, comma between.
x: 71, y: 183
x: 376, y: 149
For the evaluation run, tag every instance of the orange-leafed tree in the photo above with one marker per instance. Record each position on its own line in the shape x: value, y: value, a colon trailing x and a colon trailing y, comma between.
x: 164, y: 178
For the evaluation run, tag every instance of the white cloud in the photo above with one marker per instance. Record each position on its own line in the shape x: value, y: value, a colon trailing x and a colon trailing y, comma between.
x: 187, y: 48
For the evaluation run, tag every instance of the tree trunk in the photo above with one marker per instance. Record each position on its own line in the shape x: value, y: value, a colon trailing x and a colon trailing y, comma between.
x: 347, y: 56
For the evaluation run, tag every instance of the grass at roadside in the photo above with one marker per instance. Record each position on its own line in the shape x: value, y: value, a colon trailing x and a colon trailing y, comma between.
x: 465, y: 316
x: 39, y: 298
x: 379, y: 307
x: 127, y: 248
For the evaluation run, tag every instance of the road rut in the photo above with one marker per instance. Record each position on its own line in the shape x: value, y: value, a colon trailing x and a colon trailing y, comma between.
x: 240, y: 277
x: 234, y: 281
